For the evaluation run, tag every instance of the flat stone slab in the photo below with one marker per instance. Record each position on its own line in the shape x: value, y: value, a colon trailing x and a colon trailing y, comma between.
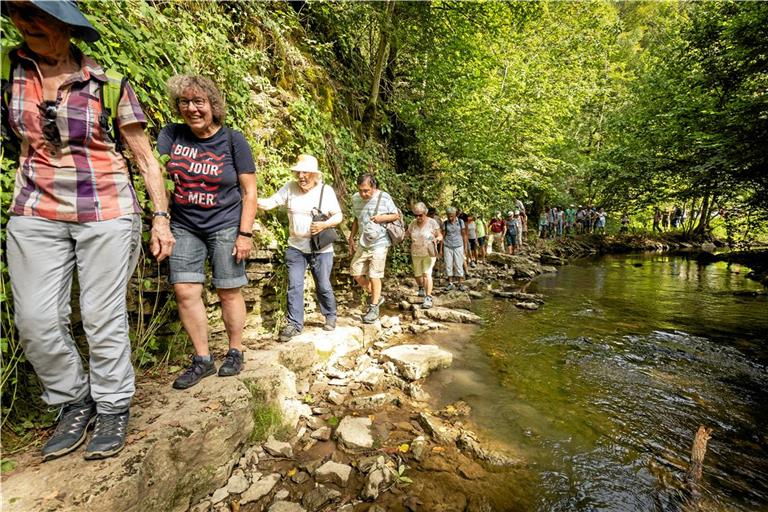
x: 457, y: 316
x: 355, y: 433
x: 260, y: 488
x: 332, y: 472
x: 337, y: 343
x: 415, y: 362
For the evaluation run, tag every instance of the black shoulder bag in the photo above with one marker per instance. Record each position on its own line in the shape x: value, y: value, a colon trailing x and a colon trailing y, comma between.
x: 324, y: 238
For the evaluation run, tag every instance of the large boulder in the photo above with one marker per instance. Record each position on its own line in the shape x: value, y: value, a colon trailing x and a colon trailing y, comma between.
x: 179, y: 449
x: 415, y: 362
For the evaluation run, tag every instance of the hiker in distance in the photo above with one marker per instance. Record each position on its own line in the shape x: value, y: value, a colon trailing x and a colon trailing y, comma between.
x: 373, y: 208
x: 307, y: 197
x: 213, y: 205
x: 425, y: 236
x: 73, y: 207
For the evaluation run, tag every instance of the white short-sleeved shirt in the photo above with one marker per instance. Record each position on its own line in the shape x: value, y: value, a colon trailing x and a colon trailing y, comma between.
x: 300, y: 205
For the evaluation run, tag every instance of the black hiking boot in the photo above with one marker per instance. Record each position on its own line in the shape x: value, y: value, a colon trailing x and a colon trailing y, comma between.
x: 233, y: 363
x: 74, y: 420
x: 108, y: 436
x: 197, y: 371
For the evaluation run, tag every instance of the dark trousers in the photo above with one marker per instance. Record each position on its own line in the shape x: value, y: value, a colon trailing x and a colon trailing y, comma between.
x: 321, y: 267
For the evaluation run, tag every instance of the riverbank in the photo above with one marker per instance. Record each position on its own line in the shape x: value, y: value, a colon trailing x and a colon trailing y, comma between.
x: 354, y: 427
x: 337, y: 420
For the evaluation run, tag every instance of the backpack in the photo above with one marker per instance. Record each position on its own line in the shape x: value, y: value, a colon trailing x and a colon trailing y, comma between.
x: 396, y: 228
x: 445, y: 226
x: 109, y: 97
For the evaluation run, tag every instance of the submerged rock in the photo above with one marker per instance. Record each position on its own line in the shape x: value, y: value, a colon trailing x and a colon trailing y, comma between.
x: 417, y: 361
x: 319, y: 497
x: 527, y: 305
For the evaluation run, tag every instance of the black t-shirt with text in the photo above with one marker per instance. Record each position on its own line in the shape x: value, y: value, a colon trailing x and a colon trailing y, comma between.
x: 206, y: 196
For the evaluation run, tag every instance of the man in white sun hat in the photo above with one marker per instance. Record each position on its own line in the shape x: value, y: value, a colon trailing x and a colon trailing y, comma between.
x: 301, y: 196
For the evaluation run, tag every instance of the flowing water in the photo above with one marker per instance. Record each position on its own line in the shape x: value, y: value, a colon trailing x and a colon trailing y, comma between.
x: 604, y: 387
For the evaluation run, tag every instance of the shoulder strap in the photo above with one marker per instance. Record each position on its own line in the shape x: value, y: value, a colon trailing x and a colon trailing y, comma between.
x: 6, y: 87
x: 320, y: 204
x: 111, y: 92
x: 231, y: 146
x: 378, y: 202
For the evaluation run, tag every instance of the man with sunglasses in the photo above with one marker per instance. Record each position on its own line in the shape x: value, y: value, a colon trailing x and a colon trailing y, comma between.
x: 74, y: 206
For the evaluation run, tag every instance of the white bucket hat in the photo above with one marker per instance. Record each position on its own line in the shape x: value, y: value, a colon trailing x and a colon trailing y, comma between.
x: 306, y: 163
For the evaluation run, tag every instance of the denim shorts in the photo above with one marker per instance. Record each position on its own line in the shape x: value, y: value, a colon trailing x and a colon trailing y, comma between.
x: 192, y: 249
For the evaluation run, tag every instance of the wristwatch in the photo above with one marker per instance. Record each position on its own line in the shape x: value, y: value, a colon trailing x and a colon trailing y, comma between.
x: 162, y: 214
x: 245, y: 233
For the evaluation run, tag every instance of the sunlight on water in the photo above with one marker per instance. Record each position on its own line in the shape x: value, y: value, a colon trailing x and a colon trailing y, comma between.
x: 604, y: 387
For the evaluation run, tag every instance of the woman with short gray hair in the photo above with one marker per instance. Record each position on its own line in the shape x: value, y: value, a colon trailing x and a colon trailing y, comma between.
x: 213, y: 206
x: 425, y: 234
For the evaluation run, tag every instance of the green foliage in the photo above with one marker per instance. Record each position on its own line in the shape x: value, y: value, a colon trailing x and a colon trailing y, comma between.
x: 625, y: 105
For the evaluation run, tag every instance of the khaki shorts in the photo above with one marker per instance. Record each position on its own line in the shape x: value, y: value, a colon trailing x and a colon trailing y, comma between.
x: 423, y: 265
x: 369, y: 263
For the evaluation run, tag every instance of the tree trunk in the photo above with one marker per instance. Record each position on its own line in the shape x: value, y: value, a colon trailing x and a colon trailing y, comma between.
x: 703, y: 226
x: 382, y: 53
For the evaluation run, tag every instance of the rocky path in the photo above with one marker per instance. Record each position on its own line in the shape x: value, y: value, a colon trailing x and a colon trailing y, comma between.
x: 353, y: 424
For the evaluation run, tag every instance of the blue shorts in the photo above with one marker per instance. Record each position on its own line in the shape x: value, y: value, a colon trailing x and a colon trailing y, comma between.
x: 192, y: 249
x: 481, y: 241
x: 511, y: 239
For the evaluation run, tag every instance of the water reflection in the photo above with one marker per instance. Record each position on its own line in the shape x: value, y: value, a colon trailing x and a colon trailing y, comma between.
x: 605, y: 386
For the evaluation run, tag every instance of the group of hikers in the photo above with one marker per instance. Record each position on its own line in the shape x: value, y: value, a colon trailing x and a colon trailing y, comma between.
x: 556, y: 221
x: 74, y: 207
x: 668, y: 218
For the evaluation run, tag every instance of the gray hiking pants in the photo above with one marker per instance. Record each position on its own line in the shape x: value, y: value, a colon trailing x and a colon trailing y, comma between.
x: 42, y: 255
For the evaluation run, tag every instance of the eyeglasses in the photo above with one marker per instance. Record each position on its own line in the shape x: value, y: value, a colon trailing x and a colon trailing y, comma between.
x: 419, y: 215
x: 51, y: 133
x: 197, y: 102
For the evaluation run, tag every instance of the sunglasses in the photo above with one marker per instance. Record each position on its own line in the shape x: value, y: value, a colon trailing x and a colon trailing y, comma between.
x: 49, y: 111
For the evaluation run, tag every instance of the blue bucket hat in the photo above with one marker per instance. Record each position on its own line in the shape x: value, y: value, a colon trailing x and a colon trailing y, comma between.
x: 67, y: 12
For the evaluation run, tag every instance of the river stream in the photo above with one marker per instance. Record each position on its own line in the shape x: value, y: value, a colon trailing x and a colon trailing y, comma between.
x: 604, y: 387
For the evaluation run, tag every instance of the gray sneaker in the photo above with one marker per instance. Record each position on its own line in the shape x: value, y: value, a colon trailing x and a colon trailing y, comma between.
x: 74, y: 420
x: 330, y: 324
x: 450, y: 287
x: 422, y: 293
x: 289, y: 332
x: 372, y: 315
x: 427, y: 302
x: 199, y: 369
x: 108, y: 436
